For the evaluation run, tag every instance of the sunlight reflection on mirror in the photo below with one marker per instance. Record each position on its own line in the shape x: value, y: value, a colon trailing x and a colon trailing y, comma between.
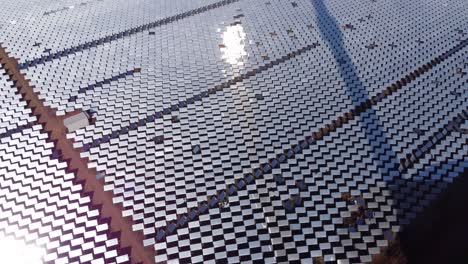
x: 17, y: 251
x: 233, y: 48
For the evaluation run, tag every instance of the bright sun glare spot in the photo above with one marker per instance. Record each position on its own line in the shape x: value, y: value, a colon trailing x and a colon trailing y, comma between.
x: 16, y: 251
x: 233, y: 48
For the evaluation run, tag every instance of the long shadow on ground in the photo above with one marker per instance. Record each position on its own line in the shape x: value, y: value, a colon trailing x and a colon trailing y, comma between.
x: 439, y: 234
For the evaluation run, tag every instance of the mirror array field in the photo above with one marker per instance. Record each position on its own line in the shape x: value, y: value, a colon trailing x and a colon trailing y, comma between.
x: 204, y: 115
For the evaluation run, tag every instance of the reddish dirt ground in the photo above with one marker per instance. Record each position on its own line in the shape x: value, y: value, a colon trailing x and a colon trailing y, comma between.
x: 53, y: 126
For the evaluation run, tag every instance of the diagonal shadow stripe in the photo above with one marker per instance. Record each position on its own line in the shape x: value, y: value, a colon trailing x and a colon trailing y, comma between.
x: 123, y: 34
x: 198, y: 97
x: 396, y: 184
x: 98, y: 84
x: 414, y: 156
x: 215, y: 201
x: 65, y: 8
